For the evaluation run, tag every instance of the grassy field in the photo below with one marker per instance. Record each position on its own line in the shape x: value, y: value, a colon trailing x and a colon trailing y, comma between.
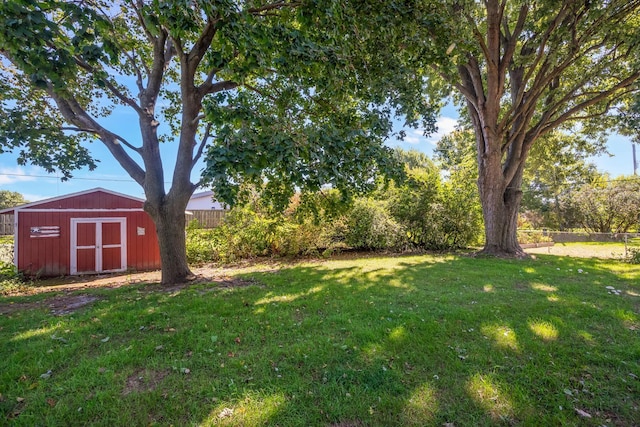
x: 611, y: 250
x: 378, y: 341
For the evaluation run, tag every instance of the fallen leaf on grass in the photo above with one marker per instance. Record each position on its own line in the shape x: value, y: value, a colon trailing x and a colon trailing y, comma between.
x: 226, y: 412
x: 19, y: 399
x: 54, y: 337
x: 51, y: 402
x: 582, y: 413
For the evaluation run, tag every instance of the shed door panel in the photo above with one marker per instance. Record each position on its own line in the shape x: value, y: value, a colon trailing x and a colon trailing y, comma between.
x: 86, y: 233
x: 111, y: 234
x: 86, y: 247
x: 86, y: 260
x: 112, y: 246
x: 111, y: 259
x: 98, y: 245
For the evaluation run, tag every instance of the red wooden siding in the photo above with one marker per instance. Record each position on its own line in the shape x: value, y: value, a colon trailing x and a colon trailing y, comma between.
x: 93, y: 200
x: 50, y: 256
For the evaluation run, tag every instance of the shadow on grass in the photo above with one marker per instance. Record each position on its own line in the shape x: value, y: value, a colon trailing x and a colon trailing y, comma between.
x: 386, y: 341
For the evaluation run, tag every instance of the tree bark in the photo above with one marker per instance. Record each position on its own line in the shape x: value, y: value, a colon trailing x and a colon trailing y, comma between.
x: 500, y: 210
x: 169, y: 218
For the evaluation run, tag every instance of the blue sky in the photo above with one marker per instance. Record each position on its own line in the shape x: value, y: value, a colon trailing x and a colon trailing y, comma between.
x: 36, y: 184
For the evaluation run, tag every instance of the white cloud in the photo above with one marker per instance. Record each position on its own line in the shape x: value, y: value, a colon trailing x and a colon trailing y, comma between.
x: 34, y: 197
x: 414, y: 136
x: 445, y: 125
x: 17, y: 174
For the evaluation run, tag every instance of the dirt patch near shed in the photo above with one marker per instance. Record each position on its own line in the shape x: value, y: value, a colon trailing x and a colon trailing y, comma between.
x: 58, y: 305
x: 67, y: 301
x: 150, y: 280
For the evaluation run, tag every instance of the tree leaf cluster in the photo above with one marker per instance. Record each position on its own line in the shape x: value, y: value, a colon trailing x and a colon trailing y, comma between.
x: 9, y: 199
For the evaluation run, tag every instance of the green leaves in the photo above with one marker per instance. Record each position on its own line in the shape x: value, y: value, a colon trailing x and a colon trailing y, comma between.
x: 299, y: 141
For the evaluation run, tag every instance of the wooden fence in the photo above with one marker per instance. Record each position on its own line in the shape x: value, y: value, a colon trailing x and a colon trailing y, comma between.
x: 207, y: 219
x: 6, y: 225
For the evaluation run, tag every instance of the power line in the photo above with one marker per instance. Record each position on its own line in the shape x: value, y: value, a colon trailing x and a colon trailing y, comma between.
x: 73, y: 178
x: 566, y: 183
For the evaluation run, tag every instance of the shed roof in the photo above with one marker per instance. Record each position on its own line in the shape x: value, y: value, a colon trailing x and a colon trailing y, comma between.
x: 67, y: 196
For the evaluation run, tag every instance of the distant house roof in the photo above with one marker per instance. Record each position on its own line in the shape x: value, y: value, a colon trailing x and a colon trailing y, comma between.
x: 66, y: 196
x: 204, y: 201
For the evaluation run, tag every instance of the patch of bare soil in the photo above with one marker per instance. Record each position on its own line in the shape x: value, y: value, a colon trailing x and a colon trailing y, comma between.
x: 214, y: 282
x: 205, y: 274
x: 67, y: 302
x: 144, y: 380
x: 58, y: 305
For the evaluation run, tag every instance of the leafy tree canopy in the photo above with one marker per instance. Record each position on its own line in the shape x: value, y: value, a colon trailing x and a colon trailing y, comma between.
x: 606, y: 205
x: 9, y: 199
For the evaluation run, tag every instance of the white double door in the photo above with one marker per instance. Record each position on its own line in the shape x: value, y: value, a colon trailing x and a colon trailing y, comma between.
x: 98, y: 245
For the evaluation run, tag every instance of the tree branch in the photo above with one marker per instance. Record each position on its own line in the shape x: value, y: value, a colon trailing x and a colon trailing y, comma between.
x: 73, y: 112
x: 512, y: 39
x: 137, y: 6
x: 109, y: 85
x: 194, y: 57
x: 203, y: 143
x: 272, y: 6
x: 587, y: 103
x: 259, y: 92
x: 97, y: 133
x: 220, y: 86
x: 149, y: 96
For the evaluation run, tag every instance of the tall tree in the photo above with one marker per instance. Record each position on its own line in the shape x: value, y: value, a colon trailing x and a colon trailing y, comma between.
x: 9, y: 199
x: 521, y: 68
x: 555, y: 167
x: 256, y: 79
x: 607, y: 205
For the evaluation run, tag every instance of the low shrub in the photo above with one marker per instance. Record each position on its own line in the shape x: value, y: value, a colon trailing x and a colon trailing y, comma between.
x: 11, y: 280
x: 436, y: 214
x: 245, y: 233
x: 532, y: 236
x: 370, y: 226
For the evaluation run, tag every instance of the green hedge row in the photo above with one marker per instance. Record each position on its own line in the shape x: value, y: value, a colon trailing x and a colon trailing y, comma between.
x: 425, y: 211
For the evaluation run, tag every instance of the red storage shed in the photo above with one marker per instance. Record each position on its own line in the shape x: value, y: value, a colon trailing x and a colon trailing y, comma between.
x: 94, y: 231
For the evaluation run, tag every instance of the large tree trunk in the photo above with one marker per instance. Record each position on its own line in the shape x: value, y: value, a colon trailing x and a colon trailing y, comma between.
x: 500, y: 195
x: 169, y: 219
x: 500, y: 210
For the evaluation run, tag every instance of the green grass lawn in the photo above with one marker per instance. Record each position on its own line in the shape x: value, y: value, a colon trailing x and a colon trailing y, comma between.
x: 381, y: 341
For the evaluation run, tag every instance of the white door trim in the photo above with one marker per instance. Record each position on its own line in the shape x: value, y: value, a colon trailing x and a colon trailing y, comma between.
x: 98, y: 243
